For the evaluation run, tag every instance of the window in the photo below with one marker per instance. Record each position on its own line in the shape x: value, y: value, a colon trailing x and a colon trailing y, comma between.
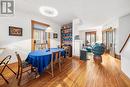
x: 40, y: 38
x: 90, y: 38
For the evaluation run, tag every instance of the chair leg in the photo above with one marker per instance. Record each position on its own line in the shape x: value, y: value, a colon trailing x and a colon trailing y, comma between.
x: 18, y: 73
x: 4, y: 79
x: 36, y: 74
x: 20, y: 77
x: 52, y: 69
x: 59, y: 65
x: 32, y: 69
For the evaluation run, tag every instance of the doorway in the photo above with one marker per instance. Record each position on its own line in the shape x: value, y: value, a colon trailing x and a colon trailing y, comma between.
x: 40, y: 39
x: 108, y: 38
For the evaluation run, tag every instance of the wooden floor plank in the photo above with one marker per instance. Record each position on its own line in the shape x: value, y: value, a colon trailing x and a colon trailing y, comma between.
x: 75, y: 73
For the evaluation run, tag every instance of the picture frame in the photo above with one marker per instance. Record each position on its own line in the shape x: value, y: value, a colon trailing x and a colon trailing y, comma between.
x: 55, y: 35
x: 15, y: 31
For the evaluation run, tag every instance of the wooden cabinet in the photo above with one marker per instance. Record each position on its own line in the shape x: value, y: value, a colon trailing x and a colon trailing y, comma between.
x: 83, y: 54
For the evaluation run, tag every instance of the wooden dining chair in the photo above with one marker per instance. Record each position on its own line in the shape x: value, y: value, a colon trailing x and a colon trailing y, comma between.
x: 55, y: 58
x: 23, y: 67
x: 4, y: 64
x: 66, y: 51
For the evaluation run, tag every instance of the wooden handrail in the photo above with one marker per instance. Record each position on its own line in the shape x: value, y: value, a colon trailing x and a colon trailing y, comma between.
x: 125, y: 43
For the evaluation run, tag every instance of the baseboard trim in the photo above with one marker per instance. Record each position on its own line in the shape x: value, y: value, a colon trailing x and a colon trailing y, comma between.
x: 117, y: 56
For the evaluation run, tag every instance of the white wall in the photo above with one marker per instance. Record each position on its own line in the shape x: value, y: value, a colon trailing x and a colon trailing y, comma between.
x: 77, y: 44
x: 124, y: 31
x: 23, y: 43
x: 125, y: 59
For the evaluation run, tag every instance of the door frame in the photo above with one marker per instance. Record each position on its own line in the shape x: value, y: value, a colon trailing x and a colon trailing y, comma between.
x: 32, y: 33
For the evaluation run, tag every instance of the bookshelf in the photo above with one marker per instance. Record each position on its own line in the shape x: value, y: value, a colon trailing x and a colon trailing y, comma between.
x: 66, y: 38
x: 66, y: 34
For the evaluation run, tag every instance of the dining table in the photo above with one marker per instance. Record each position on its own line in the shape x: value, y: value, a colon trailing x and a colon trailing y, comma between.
x: 40, y: 59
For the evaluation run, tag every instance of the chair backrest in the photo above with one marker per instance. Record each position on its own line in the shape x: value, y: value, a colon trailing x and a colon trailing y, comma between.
x: 19, y: 59
x: 6, y: 60
x: 4, y: 63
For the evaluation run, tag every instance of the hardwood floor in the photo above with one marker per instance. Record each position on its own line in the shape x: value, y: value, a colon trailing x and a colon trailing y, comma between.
x: 75, y: 73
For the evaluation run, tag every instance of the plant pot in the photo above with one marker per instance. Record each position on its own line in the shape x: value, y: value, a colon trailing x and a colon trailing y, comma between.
x: 97, y: 59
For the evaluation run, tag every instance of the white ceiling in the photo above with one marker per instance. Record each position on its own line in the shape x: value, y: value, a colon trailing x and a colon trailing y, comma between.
x: 92, y: 12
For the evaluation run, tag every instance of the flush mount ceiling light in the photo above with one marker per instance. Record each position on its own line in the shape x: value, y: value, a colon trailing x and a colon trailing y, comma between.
x: 48, y: 11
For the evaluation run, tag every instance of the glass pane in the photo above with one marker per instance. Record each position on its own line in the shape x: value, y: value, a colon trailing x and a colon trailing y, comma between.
x: 104, y: 38
x: 43, y: 36
x: 88, y: 39
x: 93, y: 39
x: 110, y: 37
x: 40, y: 37
x: 37, y: 36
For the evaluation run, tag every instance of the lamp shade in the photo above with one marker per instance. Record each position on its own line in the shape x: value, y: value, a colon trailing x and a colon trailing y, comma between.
x: 49, y: 29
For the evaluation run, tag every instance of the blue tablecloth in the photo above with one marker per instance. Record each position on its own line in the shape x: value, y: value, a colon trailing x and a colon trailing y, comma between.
x: 42, y: 58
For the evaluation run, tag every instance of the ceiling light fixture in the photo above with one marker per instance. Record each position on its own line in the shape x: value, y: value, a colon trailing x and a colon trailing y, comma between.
x: 48, y: 11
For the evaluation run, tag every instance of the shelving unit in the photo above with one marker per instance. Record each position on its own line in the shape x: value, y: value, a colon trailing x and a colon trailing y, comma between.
x: 66, y: 34
x: 66, y: 37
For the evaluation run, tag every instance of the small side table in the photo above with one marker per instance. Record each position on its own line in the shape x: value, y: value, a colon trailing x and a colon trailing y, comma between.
x: 83, y: 54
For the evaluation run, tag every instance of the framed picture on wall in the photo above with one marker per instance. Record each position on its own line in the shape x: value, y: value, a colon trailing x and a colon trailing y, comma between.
x: 15, y: 31
x: 55, y: 35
